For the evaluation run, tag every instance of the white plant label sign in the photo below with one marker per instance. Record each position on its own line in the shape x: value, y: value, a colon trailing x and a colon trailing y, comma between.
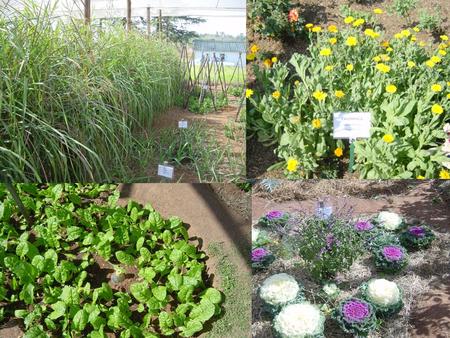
x: 351, y: 125
x: 183, y: 124
x: 165, y: 170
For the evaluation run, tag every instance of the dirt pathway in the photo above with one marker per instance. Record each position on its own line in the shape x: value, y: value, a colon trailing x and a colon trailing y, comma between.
x: 430, y: 316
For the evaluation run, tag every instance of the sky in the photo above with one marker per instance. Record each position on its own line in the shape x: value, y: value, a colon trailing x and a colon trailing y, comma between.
x: 230, y: 26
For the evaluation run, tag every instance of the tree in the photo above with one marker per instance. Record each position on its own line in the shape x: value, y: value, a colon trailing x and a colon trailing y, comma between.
x: 175, y: 28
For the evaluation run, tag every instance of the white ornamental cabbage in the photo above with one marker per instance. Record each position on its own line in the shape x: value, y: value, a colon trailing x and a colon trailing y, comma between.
x: 389, y: 220
x: 255, y: 234
x: 279, y: 289
x: 331, y: 290
x: 299, y: 320
x: 383, y: 292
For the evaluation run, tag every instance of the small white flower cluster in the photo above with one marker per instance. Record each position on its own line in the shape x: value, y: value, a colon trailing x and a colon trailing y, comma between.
x: 331, y: 290
x: 383, y: 292
x: 255, y: 234
x: 299, y: 320
x: 279, y: 289
x: 389, y: 220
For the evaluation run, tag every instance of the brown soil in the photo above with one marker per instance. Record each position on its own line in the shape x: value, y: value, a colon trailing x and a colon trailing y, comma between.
x: 326, y: 12
x: 429, y: 315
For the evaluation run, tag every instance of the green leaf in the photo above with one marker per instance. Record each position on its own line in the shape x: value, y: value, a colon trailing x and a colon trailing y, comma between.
x: 147, y: 273
x: 140, y: 243
x: 27, y: 294
x: 74, y: 233
x: 141, y: 292
x: 125, y: 258
x: 203, y: 311
x: 175, y: 280
x: 192, y: 327
x: 185, y: 293
x: 160, y: 292
x: 59, y: 310
x: 80, y: 320
x: 22, y: 249
x: 213, y: 295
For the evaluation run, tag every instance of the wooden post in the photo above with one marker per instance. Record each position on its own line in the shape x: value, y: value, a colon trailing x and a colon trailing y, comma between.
x: 129, y: 15
x: 87, y: 11
x: 149, y: 27
x: 160, y: 22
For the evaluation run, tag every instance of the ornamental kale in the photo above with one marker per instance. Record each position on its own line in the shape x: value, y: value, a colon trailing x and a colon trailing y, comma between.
x: 274, y: 219
x: 261, y: 258
x: 417, y: 237
x: 355, y: 316
x: 390, y: 258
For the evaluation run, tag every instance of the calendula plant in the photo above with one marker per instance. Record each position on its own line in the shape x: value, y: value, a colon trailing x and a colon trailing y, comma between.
x: 403, y: 82
x: 49, y: 272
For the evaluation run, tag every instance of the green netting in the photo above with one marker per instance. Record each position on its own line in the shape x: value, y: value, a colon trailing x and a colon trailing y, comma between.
x: 219, y: 46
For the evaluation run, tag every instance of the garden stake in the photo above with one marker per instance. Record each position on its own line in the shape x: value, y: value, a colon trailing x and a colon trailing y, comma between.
x: 352, y: 156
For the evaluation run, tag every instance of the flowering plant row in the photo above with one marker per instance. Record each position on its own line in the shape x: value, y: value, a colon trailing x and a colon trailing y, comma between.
x: 402, y: 82
x: 296, y: 317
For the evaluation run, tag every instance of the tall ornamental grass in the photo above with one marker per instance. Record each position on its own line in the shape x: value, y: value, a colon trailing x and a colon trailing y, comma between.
x: 73, y: 98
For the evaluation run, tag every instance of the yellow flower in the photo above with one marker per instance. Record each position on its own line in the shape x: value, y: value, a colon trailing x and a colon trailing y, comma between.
x: 385, y: 44
x: 358, y: 22
x: 442, y: 52
x: 448, y: 96
x: 326, y: 52
x: 378, y: 11
x: 339, y: 94
x: 329, y: 68
x: 448, y: 83
x: 411, y: 64
x: 251, y: 56
x: 317, y: 29
x: 443, y: 46
x: 376, y: 58
x: 351, y: 41
x: 383, y: 68
x: 332, y: 29
x: 332, y: 41
x: 349, y: 19
x: 436, y: 59
x: 391, y: 88
x: 430, y: 64
x: 420, y: 177
x: 416, y: 29
x: 422, y: 44
x: 254, y: 49
x: 370, y: 32
x: 295, y: 119
x: 268, y: 63
x: 405, y: 33
x: 349, y: 67
x: 297, y: 83
x: 316, y: 124
x: 444, y: 174
x: 444, y: 37
x: 309, y: 25
x: 436, y: 88
x: 413, y: 38
x: 388, y: 138
x: 276, y: 94
x: 389, y: 49
x: 319, y: 95
x: 292, y: 165
x: 338, y: 152
x: 274, y: 59
x: 398, y: 35
x: 437, y: 109
x: 248, y: 93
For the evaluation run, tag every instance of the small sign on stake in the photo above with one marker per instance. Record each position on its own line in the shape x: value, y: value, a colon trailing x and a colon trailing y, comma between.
x: 351, y: 126
x: 165, y: 170
x: 183, y: 124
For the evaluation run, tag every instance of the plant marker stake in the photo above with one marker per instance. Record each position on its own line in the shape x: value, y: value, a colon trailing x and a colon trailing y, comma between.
x: 166, y: 171
x: 352, y: 155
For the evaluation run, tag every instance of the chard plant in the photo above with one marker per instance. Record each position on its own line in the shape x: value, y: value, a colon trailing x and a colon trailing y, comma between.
x: 49, y: 270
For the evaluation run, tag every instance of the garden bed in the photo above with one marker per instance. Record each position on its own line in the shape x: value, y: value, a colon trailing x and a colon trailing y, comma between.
x: 424, y: 280
x: 287, y: 62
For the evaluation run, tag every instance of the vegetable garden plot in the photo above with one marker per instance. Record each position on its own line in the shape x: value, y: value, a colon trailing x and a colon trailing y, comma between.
x: 55, y: 269
x: 402, y: 82
x: 353, y: 274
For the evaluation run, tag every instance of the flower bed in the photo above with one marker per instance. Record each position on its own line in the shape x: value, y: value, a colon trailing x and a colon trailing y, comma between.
x: 402, y: 82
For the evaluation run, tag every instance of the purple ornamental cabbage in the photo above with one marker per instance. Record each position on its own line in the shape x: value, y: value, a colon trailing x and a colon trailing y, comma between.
x: 258, y: 254
x: 355, y: 311
x: 363, y: 225
x: 417, y: 231
x: 392, y: 253
x: 274, y: 214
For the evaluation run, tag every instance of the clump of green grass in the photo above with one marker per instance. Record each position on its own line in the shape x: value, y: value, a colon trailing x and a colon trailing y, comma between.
x: 73, y: 97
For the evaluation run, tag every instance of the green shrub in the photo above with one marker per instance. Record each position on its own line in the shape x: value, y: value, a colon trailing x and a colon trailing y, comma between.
x: 430, y: 22
x: 273, y: 18
x: 328, y: 246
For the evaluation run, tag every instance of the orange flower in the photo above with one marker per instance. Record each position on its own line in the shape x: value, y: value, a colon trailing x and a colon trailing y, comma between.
x: 293, y: 15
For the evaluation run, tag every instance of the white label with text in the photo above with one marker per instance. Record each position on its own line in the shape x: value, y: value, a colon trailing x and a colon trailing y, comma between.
x: 165, y: 171
x: 351, y: 125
